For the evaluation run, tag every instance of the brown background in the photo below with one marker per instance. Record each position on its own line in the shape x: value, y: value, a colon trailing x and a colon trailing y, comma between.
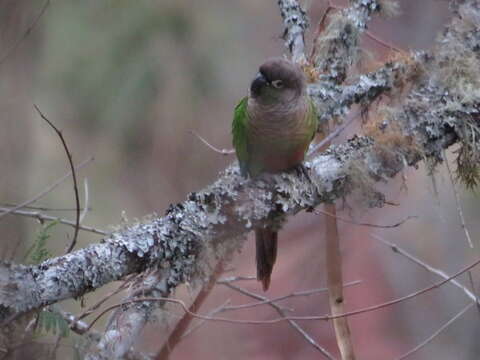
x: 126, y: 81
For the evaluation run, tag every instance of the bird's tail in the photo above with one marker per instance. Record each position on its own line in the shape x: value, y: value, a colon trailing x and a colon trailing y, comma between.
x: 266, y: 243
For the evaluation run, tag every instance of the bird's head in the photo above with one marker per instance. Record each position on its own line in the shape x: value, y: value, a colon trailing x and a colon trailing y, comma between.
x: 277, y: 80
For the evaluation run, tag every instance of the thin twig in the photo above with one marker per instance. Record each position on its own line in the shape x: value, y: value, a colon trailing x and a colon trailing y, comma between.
x: 27, y: 32
x: 474, y: 290
x: 284, y: 297
x: 182, y: 325
x: 44, y: 192
x: 383, y: 42
x: 458, y: 203
x: 43, y: 208
x: 279, y: 310
x: 331, y: 136
x: 436, y: 333
x: 74, y: 177
x: 42, y: 217
x: 85, y: 201
x: 77, y: 326
x: 287, y: 318
x: 427, y: 267
x: 95, y: 306
x: 217, y: 150
x: 230, y: 279
x: 397, y: 224
x: 437, y: 272
x: 198, y: 325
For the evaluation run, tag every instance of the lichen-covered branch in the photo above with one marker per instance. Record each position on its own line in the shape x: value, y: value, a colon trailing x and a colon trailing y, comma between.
x: 204, y: 224
x: 126, y: 323
x: 336, y: 51
x: 296, y: 22
x: 212, y: 222
x: 335, y: 100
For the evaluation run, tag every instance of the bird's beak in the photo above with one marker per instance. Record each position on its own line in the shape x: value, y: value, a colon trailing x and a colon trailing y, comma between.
x: 258, y: 83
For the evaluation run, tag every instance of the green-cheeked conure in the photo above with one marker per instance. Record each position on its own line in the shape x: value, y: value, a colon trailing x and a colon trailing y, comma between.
x: 272, y: 129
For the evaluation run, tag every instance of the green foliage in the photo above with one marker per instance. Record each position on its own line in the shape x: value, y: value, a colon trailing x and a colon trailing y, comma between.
x: 38, y: 252
x: 52, y: 322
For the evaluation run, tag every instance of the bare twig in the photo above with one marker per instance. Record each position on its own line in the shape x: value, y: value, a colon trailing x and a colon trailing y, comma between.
x: 284, y: 297
x: 81, y: 328
x: 124, y: 326
x: 230, y: 279
x: 74, y: 177
x: 437, y: 272
x: 85, y: 201
x: 27, y: 32
x: 217, y: 150
x: 287, y: 318
x: 198, y: 325
x: 181, y: 326
x: 43, y: 208
x: 44, y: 192
x: 42, y: 217
x: 458, y: 203
x: 95, y: 306
x: 333, y: 135
x: 383, y: 42
x: 280, y: 311
x: 427, y: 267
x: 474, y: 290
x: 75, y: 324
x: 436, y: 333
x: 390, y: 226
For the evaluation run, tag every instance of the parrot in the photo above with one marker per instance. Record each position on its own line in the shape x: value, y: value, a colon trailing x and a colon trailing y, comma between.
x: 272, y: 129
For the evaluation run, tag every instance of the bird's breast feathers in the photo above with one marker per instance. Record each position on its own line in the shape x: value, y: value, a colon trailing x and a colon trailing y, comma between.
x: 286, y: 124
x: 278, y: 137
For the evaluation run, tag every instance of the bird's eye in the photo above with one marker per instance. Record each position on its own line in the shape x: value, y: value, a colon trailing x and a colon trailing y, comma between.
x: 277, y: 84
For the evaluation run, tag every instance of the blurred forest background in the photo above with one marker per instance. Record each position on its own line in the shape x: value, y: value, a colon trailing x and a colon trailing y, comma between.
x: 127, y: 80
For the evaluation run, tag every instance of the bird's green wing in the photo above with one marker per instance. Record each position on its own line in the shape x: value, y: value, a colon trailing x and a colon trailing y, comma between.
x: 239, y: 133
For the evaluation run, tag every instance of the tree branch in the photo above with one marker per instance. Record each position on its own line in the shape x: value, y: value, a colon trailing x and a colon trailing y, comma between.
x: 337, y: 49
x: 212, y: 224
x: 295, y: 22
x: 303, y: 333
x: 74, y: 177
